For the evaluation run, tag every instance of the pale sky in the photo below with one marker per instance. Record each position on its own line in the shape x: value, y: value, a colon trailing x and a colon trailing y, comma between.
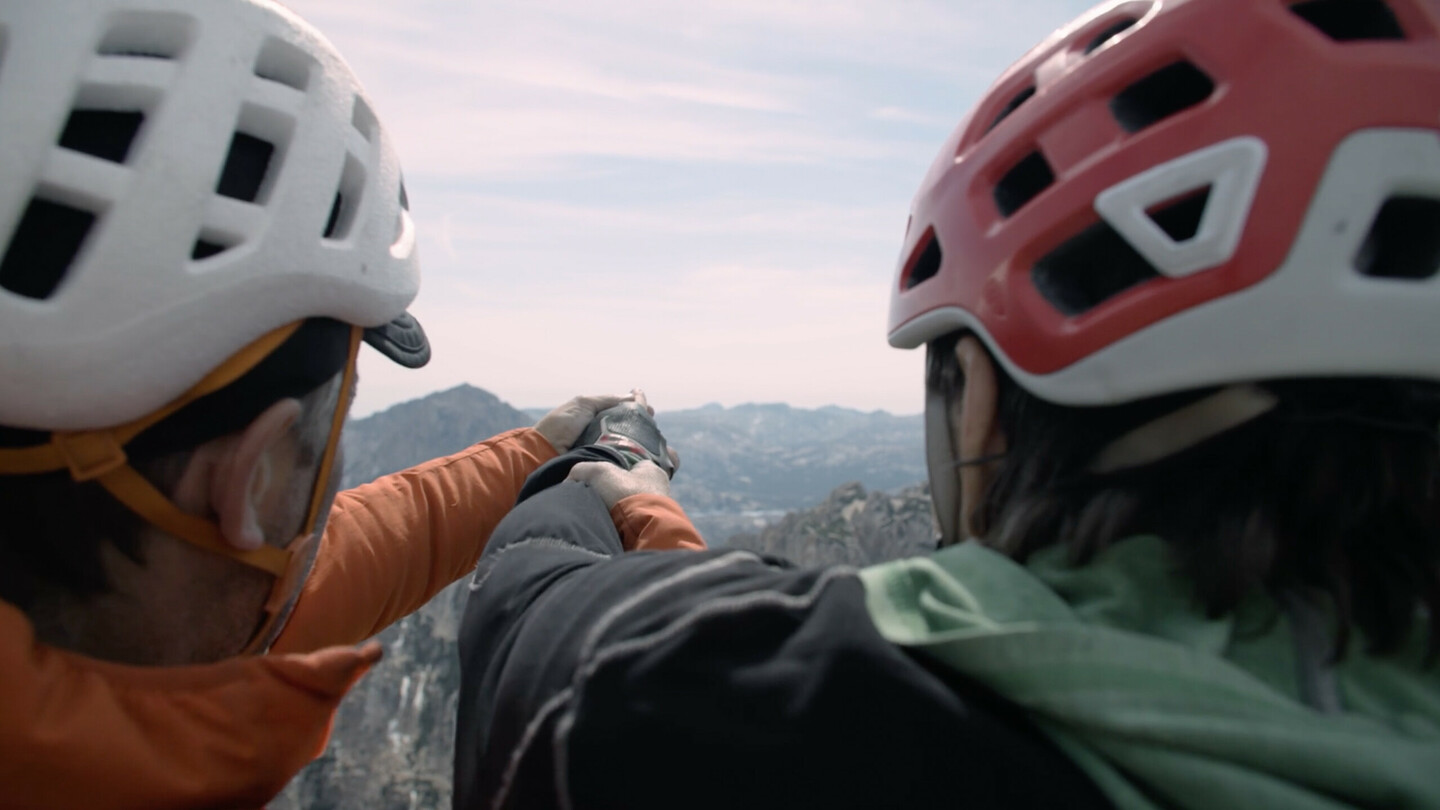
x: 702, y: 198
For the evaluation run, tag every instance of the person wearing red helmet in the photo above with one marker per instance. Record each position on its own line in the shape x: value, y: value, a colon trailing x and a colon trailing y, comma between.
x: 1178, y: 279
x: 201, y: 223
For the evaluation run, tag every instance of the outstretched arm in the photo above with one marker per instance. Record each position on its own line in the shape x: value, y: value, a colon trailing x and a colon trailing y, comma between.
x: 591, y: 678
x: 391, y: 545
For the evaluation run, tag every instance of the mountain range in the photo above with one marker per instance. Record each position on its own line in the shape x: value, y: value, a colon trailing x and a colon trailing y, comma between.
x: 741, y: 468
x: 818, y: 487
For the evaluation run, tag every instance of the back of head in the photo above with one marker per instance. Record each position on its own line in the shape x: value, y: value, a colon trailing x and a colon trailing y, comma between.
x: 1201, y: 240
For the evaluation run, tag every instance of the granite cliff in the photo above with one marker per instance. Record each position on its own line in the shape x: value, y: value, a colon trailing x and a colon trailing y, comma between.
x: 851, y: 527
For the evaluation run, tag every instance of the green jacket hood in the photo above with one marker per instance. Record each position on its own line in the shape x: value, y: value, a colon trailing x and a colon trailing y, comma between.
x: 1161, y: 705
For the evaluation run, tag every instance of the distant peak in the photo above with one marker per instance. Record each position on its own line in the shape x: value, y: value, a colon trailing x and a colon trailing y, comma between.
x: 764, y: 406
x: 463, y: 396
x: 464, y: 389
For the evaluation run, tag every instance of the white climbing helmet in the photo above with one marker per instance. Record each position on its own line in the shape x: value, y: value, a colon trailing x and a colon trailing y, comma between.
x: 177, y: 179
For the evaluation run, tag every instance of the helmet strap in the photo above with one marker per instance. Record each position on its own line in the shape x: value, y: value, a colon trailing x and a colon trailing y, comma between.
x: 287, y: 583
x: 1182, y: 429
x: 99, y: 456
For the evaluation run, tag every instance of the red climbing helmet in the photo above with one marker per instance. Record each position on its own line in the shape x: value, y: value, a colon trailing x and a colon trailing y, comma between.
x: 1179, y: 193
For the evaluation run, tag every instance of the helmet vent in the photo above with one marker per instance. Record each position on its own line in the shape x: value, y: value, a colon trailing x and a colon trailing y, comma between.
x: 1092, y: 267
x: 283, y: 63
x: 105, y: 134
x: 404, y: 198
x: 1169, y: 90
x: 45, y: 244
x: 204, y: 249
x: 1404, y: 241
x: 148, y: 35
x: 347, y: 200
x: 1351, y: 20
x: 924, y: 261
x: 1180, y: 219
x: 332, y: 224
x: 1013, y: 105
x: 245, y: 167
x: 1108, y: 33
x: 364, y: 120
x: 210, y: 244
x: 1023, y: 183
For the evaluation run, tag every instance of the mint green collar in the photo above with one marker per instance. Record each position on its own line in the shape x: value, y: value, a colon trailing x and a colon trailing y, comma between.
x: 1162, y: 706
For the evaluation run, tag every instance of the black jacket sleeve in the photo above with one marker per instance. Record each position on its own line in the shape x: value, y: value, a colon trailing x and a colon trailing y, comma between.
x: 594, y: 679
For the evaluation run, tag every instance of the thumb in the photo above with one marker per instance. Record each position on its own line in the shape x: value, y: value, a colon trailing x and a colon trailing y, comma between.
x: 588, y: 471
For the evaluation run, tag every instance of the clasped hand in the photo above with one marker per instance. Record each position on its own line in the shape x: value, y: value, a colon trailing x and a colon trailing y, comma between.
x: 564, y: 425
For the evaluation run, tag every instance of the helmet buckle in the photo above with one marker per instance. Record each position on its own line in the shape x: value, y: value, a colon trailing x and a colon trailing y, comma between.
x: 90, y: 454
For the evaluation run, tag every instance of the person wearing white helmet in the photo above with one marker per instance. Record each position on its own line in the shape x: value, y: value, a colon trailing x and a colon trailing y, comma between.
x: 201, y: 221
x: 1178, y: 277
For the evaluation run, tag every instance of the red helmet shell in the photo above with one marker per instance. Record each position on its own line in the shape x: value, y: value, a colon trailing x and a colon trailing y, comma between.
x: 1261, y: 83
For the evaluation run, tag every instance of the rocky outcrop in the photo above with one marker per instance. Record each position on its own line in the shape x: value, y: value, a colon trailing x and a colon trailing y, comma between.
x: 851, y: 527
x: 394, y: 738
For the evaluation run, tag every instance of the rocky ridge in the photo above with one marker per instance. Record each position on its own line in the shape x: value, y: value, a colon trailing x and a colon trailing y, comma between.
x: 851, y: 527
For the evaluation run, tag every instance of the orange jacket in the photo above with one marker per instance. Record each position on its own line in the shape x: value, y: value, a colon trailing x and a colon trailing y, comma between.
x: 77, y: 732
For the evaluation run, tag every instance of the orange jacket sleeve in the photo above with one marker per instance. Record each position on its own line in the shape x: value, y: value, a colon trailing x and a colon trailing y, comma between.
x: 655, y: 523
x: 80, y: 733
x: 391, y: 545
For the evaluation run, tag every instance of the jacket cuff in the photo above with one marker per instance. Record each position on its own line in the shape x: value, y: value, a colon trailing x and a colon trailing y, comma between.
x: 649, y: 522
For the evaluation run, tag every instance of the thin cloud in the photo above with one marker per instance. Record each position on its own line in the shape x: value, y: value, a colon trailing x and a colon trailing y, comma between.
x: 906, y: 116
x: 493, y: 217
x: 507, y: 142
x: 726, y: 333
x: 704, y: 198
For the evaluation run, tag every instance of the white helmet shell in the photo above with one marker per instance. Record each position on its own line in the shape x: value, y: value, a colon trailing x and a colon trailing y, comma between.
x: 250, y: 186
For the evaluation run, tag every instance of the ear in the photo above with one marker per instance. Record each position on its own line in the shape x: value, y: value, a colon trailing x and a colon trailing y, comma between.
x: 232, y: 477
x: 976, y: 428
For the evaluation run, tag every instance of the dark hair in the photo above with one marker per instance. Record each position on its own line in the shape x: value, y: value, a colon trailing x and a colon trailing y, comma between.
x: 52, y: 528
x: 1334, y: 494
